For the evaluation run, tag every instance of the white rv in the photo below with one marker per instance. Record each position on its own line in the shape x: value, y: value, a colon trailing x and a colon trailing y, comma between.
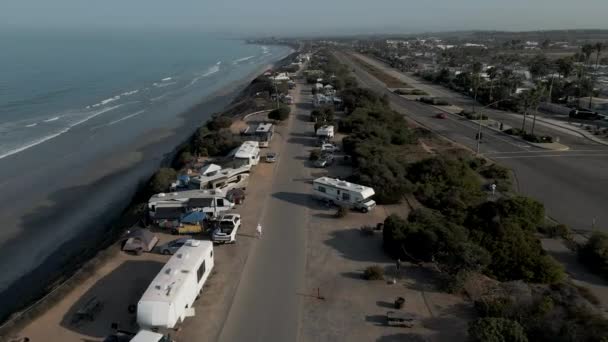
x: 343, y: 193
x: 247, y: 154
x: 150, y: 336
x: 214, y: 177
x: 264, y: 133
x: 212, y: 202
x: 325, y: 132
x: 169, y: 298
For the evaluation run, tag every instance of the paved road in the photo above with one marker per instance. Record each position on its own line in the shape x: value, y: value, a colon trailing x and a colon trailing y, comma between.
x: 266, y: 306
x: 573, y: 184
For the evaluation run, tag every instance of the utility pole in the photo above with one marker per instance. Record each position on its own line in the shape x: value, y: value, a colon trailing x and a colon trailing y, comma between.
x: 480, y: 117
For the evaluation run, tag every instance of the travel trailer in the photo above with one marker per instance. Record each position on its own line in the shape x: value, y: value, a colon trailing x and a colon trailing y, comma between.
x: 343, y: 193
x: 214, y: 177
x: 325, y: 132
x: 247, y: 154
x: 175, y: 204
x: 169, y: 298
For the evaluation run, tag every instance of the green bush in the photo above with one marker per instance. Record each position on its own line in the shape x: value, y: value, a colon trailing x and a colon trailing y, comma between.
x: 341, y: 212
x: 495, y: 171
x: 281, y: 114
x: 594, y: 253
x: 498, y: 307
x: 537, y: 138
x: 514, y: 131
x: 161, y: 180
x: 215, y: 143
x: 473, y: 116
x: 555, y: 231
x: 314, y: 155
x: 373, y: 273
x: 496, y: 330
x: 218, y: 123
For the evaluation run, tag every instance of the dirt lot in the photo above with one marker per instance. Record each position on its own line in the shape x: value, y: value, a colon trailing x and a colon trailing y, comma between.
x: 121, y: 280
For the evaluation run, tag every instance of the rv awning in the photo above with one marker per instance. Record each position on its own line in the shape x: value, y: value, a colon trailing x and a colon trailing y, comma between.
x: 210, y: 169
x: 168, y: 213
x: 203, y: 202
x: 194, y: 217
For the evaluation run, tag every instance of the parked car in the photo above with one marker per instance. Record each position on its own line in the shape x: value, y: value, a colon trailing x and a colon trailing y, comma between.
x: 325, y: 160
x: 172, y: 246
x: 441, y: 116
x: 271, y: 157
x: 327, y: 147
x: 227, y: 227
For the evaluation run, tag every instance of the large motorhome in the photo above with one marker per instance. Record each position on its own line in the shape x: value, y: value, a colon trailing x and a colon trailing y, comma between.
x: 211, y: 202
x: 247, y: 154
x: 169, y: 298
x: 214, y: 177
x: 343, y: 193
x: 264, y: 133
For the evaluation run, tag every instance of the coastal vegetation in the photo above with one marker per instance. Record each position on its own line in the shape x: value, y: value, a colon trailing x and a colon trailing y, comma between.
x: 280, y: 114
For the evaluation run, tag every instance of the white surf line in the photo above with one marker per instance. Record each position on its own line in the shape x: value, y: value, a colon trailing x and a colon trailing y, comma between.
x: 552, y: 155
x: 125, y: 118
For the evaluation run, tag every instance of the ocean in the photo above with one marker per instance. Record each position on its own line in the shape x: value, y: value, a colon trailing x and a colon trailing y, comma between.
x: 85, y: 117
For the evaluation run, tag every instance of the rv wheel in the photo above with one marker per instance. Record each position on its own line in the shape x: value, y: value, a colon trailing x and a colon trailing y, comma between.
x: 364, y: 210
x: 132, y: 308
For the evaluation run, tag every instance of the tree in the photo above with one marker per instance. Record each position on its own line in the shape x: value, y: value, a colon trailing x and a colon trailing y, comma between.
x: 476, y: 71
x: 565, y: 66
x: 281, y: 114
x: 594, y: 253
x: 598, y: 50
x: 496, y: 330
x: 539, y: 66
x: 492, y: 74
x: 161, y: 180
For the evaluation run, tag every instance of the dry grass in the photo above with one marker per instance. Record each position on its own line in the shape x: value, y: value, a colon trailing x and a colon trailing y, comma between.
x: 390, y: 81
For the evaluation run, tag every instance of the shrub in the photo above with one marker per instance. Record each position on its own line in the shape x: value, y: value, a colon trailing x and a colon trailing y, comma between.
x: 556, y: 230
x: 341, y: 212
x: 514, y: 131
x: 218, y: 123
x: 280, y: 114
x: 496, y: 330
x: 373, y: 273
x: 161, y: 180
x: 497, y: 307
x: 314, y: 155
x: 594, y: 253
x: 537, y: 138
x: 214, y: 143
x: 473, y: 116
x: 495, y: 171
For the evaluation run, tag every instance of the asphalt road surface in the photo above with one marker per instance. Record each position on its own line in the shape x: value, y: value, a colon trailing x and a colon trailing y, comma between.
x: 266, y: 306
x: 572, y: 184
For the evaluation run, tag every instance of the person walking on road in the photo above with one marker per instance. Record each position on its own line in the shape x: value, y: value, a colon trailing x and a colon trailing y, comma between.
x: 258, y: 231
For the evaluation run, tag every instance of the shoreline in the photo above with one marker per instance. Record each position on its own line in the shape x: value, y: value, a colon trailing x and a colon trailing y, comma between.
x: 140, y: 163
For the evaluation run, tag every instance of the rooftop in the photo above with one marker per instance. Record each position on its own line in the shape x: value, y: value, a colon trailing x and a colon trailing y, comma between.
x: 183, y: 196
x: 172, y: 276
x: 344, y: 185
x: 247, y: 150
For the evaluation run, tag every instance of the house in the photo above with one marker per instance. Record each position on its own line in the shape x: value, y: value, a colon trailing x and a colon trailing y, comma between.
x: 169, y: 298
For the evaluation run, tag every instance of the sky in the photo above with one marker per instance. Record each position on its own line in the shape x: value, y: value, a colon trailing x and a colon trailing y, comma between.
x: 307, y: 17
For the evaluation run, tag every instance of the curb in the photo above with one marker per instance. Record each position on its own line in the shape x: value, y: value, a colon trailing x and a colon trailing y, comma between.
x: 575, y: 131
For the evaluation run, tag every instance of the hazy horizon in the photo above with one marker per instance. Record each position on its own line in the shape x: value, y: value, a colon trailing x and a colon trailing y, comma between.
x: 311, y: 17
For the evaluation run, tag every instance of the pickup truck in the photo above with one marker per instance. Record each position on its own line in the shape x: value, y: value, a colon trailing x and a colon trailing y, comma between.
x: 226, y: 229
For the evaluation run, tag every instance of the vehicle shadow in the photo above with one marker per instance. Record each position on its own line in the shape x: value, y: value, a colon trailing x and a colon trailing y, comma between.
x: 116, y: 293
x: 302, y: 199
x: 410, y: 337
x: 302, y: 141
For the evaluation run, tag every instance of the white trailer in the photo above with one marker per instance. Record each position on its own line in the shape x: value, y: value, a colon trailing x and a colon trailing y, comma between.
x: 325, y: 132
x: 222, y: 179
x: 343, y: 193
x: 169, y: 298
x: 247, y: 154
x: 211, y: 202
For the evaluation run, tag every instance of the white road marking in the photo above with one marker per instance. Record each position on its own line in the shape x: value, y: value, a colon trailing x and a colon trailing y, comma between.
x: 552, y: 155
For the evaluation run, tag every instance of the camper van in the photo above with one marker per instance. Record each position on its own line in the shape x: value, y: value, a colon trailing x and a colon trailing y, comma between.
x: 214, y: 177
x: 163, y: 205
x: 339, y: 192
x: 264, y: 133
x: 325, y: 132
x: 247, y: 154
x: 169, y: 298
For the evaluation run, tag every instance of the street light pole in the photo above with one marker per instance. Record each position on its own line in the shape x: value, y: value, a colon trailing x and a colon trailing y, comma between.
x: 480, y: 118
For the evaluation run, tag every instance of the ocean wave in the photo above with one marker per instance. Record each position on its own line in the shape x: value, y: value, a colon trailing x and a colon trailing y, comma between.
x: 127, y: 93
x: 240, y: 60
x: 56, y: 134
x: 159, y: 97
x: 166, y: 79
x: 31, y: 125
x: 126, y: 117
x: 51, y: 119
x: 162, y: 85
x: 212, y: 70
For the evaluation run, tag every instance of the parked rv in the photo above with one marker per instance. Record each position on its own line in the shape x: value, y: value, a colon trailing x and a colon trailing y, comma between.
x: 214, y: 177
x: 169, y: 298
x: 264, y: 132
x: 339, y: 192
x: 172, y: 206
x: 246, y: 154
x: 325, y: 132
x: 227, y: 227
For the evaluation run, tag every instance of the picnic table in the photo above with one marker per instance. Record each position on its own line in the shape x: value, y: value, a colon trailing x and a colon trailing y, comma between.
x: 88, y: 311
x: 396, y: 318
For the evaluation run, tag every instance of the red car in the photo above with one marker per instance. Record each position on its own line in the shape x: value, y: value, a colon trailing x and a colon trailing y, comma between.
x: 441, y: 116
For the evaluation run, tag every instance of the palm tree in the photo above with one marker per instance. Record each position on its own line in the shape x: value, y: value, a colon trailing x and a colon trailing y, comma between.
x: 565, y: 65
x: 598, y: 50
x: 476, y: 71
x: 492, y: 74
x: 537, y: 95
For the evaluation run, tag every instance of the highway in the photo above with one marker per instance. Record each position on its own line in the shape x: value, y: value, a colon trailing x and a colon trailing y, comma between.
x: 572, y: 184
